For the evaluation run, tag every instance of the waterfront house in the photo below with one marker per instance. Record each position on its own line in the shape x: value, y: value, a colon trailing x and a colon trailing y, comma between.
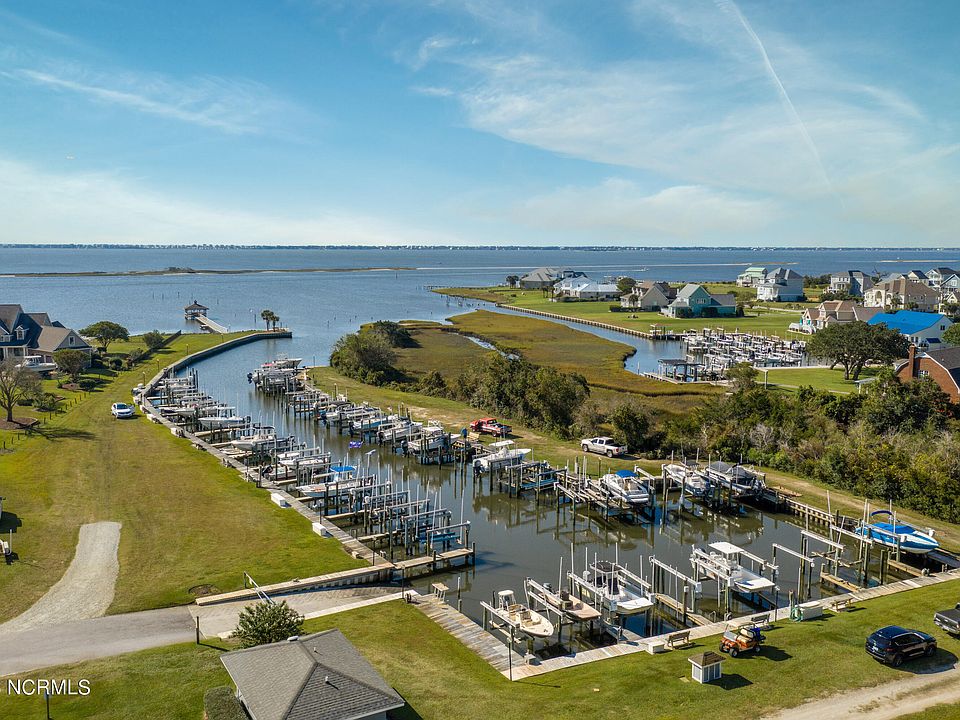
x: 902, y: 293
x: 920, y: 328
x: 649, y: 295
x: 314, y: 676
x: 941, y: 365
x: 696, y: 301
x: 23, y: 334
x: 546, y: 277
x: 781, y: 285
x: 832, y: 312
x: 850, y: 282
x: 579, y: 289
x: 937, y: 275
x: 752, y: 276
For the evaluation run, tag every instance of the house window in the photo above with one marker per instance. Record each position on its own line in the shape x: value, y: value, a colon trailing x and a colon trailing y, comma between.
x: 6, y: 338
x: 923, y: 374
x: 20, y: 333
x: 70, y: 340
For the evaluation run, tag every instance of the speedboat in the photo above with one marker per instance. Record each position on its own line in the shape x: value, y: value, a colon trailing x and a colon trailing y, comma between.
x: 611, y: 585
x: 898, y: 535
x: 122, y: 410
x: 503, y: 454
x: 252, y: 442
x: 520, y: 617
x: 624, y: 485
x: 219, y: 422
x: 36, y: 363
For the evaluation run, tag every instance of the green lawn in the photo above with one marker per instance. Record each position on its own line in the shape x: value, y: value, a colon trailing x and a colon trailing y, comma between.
x: 187, y: 520
x: 758, y: 320
x: 820, y: 378
x: 440, y: 678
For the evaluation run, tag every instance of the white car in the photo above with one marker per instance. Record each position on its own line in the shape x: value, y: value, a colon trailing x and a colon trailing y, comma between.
x: 122, y: 410
x: 603, y: 446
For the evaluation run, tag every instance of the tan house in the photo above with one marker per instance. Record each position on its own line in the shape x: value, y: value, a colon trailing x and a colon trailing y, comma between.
x: 902, y: 293
x: 649, y: 295
x: 941, y: 366
x: 833, y: 312
x: 35, y: 335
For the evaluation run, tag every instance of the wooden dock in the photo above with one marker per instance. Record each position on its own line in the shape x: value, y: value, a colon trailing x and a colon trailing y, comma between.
x: 211, y: 325
x: 436, y: 561
x: 491, y: 649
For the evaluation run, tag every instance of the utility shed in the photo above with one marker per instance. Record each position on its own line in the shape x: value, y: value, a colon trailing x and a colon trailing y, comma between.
x: 316, y: 677
x: 707, y: 666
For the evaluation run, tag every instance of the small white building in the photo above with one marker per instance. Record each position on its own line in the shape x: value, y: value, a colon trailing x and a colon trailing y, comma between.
x: 707, y: 666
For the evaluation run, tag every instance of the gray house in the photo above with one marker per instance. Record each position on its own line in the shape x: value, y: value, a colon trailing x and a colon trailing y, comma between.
x: 695, y: 301
x: 781, y: 285
x: 851, y: 282
x: 546, y: 277
x: 35, y: 334
x: 316, y: 677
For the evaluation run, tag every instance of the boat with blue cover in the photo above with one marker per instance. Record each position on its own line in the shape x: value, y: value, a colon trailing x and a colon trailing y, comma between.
x: 898, y: 535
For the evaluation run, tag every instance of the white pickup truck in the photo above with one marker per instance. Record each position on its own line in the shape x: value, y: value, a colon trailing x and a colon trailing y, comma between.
x: 603, y: 446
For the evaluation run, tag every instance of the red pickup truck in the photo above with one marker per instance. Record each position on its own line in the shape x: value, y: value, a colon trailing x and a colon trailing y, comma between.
x: 491, y: 427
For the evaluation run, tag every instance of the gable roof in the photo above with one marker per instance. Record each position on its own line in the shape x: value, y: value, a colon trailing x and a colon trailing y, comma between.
x: 908, y: 322
x: 196, y: 306
x: 905, y: 286
x: 782, y: 273
x: 316, y: 677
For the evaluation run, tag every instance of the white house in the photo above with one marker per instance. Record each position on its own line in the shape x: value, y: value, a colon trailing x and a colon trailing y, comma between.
x: 902, y: 293
x: 832, y: 312
x: 578, y: 289
x: 781, y: 285
x: 937, y: 275
x: 752, y: 276
x: 546, y: 277
x: 921, y: 328
x: 850, y: 282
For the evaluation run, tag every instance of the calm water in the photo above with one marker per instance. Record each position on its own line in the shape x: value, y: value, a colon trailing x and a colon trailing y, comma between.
x: 515, y: 538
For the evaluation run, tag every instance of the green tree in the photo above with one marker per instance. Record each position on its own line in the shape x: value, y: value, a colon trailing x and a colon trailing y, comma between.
x: 72, y: 362
x: 17, y: 384
x: 267, y: 622
x: 393, y: 332
x: 106, y: 332
x: 512, y: 280
x: 630, y: 425
x: 625, y: 284
x: 742, y: 376
x: 952, y: 334
x: 153, y: 339
x: 366, y: 356
x: 270, y: 319
x: 855, y: 344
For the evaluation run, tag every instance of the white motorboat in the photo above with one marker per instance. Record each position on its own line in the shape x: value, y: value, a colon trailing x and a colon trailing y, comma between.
x: 721, y: 561
x: 562, y: 602
x: 628, y: 487
x: 898, y: 536
x: 220, y: 422
x: 614, y: 587
x: 693, y: 482
x: 504, y: 454
x: 520, y: 617
x: 255, y: 441
x: 36, y: 363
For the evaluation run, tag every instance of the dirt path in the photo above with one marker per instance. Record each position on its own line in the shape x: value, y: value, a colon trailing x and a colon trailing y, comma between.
x: 884, y: 702
x: 86, y: 588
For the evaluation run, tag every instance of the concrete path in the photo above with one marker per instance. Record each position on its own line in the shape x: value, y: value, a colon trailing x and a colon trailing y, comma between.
x: 86, y: 588
x: 883, y: 702
x: 220, y: 619
x: 90, y: 639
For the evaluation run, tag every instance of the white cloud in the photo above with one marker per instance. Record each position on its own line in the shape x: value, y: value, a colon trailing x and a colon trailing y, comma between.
x: 620, y: 207
x: 50, y: 207
x: 232, y: 106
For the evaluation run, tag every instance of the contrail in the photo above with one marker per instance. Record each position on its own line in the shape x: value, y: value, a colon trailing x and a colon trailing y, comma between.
x: 731, y: 6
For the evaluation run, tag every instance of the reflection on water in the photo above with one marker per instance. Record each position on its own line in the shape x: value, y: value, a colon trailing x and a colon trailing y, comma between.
x: 519, y: 538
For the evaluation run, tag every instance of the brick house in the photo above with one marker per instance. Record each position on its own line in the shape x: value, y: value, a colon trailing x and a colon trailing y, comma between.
x: 942, y: 366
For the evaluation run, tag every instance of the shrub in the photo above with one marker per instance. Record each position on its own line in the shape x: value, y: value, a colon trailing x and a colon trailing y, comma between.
x: 220, y: 703
x: 153, y: 339
x: 267, y: 623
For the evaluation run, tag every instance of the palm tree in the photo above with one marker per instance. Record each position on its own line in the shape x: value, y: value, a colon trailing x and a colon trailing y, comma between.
x: 265, y: 315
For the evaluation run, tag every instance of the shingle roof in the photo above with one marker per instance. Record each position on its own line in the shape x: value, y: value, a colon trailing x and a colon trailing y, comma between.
x: 316, y: 677
x: 908, y: 322
x: 949, y: 358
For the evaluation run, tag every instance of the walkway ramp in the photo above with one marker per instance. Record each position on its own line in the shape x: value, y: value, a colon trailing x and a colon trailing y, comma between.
x: 211, y: 325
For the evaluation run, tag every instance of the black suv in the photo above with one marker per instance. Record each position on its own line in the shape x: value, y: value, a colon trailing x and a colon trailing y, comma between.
x: 894, y: 644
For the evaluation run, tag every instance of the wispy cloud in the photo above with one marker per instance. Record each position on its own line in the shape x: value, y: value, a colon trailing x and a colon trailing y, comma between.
x: 231, y: 106
x: 94, y: 207
x: 623, y: 208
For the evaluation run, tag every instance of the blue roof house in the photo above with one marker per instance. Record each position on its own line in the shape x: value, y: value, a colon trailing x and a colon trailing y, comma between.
x: 921, y: 328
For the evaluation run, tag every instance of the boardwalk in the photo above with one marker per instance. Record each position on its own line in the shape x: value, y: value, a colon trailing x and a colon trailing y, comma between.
x: 490, y: 648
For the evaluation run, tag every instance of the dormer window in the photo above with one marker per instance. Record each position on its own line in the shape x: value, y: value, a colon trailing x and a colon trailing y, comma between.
x: 20, y: 333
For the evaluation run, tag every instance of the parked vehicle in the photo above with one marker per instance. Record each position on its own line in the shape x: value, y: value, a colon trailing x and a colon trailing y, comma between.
x: 948, y: 620
x: 892, y: 645
x: 122, y: 410
x: 603, y: 446
x: 741, y: 640
x: 491, y: 426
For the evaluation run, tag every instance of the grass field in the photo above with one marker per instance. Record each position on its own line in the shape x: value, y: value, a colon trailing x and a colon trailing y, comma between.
x: 439, y: 678
x: 820, y: 378
x: 187, y: 520
x: 758, y: 320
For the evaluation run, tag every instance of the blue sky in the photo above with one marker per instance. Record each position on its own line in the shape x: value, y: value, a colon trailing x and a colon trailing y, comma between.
x: 627, y: 122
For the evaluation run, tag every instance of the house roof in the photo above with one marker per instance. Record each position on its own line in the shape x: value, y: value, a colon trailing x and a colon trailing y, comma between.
x: 905, y: 286
x: 908, y: 322
x: 316, y: 677
x: 782, y: 273
x: 52, y: 337
x: 755, y: 269
x: 196, y: 306
x: 942, y: 271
